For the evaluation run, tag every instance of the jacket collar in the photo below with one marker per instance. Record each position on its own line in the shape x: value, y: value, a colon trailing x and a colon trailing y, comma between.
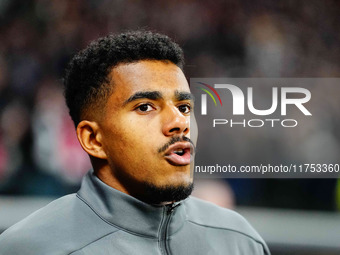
x: 126, y: 212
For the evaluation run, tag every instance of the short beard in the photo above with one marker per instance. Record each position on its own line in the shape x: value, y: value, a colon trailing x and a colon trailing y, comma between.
x: 166, y: 194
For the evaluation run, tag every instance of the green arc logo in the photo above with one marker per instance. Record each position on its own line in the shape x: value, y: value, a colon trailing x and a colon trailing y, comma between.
x: 209, y: 93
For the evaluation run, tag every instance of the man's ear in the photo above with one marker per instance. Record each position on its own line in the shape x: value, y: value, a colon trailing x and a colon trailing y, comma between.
x: 90, y: 138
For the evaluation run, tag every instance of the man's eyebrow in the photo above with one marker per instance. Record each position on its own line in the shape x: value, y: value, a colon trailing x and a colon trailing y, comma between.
x: 180, y: 96
x: 153, y: 95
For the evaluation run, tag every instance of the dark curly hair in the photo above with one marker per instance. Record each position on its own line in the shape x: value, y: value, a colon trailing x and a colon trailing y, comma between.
x: 86, y: 81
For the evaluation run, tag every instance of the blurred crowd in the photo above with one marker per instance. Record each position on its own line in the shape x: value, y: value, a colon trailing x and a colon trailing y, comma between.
x: 39, y: 152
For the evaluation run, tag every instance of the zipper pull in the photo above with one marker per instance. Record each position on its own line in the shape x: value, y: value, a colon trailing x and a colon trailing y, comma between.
x: 172, y: 207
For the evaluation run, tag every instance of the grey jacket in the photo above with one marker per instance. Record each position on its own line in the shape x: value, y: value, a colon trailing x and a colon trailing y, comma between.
x: 100, y: 220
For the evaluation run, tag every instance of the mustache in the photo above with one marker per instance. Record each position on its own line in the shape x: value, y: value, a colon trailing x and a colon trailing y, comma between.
x: 173, y: 140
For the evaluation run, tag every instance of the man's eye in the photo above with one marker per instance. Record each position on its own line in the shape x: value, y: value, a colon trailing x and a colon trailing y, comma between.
x: 144, y: 108
x: 184, y: 108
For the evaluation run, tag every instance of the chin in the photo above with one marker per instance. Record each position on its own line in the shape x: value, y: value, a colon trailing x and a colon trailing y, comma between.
x: 170, y: 192
x: 178, y: 179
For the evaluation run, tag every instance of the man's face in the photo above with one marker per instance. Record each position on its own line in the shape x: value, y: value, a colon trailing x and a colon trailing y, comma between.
x: 146, y: 126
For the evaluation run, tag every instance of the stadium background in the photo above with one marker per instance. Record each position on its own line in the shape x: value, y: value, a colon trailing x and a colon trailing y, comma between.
x: 39, y: 155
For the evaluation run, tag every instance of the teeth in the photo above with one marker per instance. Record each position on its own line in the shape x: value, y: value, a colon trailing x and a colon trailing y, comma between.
x: 179, y: 152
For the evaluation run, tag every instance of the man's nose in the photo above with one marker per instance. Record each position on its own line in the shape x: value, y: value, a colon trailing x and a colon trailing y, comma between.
x: 175, y: 123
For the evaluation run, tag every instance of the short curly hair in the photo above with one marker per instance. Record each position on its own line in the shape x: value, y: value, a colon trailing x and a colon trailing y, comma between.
x: 86, y: 81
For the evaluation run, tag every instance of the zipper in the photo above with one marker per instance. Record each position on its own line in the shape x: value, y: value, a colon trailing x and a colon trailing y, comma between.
x: 168, y: 211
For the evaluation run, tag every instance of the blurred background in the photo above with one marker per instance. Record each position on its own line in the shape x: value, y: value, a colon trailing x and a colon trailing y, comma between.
x: 40, y: 157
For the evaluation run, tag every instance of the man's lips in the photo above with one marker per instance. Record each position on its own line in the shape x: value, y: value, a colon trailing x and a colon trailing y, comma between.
x: 180, y: 153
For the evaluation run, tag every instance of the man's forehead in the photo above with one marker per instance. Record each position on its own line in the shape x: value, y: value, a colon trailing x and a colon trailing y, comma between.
x: 158, y: 95
x: 142, y: 76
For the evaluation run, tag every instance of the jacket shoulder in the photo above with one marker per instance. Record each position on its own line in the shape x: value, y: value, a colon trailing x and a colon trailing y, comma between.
x: 61, y: 227
x: 210, y: 215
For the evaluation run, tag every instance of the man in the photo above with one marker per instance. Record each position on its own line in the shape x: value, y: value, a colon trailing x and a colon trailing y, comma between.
x: 131, y: 106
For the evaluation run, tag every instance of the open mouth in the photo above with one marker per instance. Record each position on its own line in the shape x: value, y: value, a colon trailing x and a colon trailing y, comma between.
x: 180, y: 154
